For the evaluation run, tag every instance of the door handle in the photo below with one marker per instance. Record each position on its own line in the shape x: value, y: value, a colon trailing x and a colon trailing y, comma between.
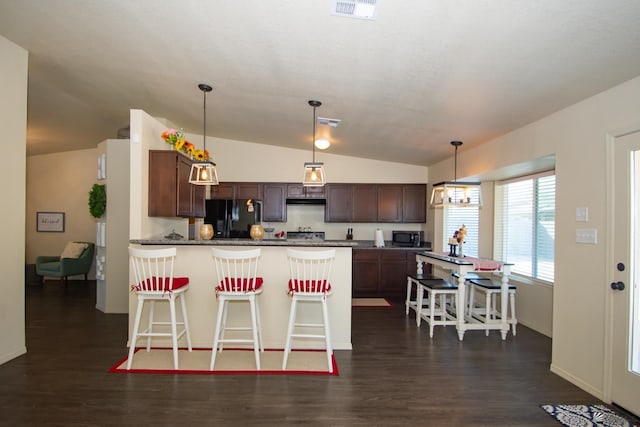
x: 617, y: 286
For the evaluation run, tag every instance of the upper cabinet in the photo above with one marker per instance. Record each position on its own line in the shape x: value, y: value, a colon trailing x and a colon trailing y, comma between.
x: 170, y: 193
x: 376, y: 203
x: 414, y: 203
x: 274, y: 208
x: 237, y: 190
x: 339, y: 203
x: 389, y: 203
x: 299, y: 191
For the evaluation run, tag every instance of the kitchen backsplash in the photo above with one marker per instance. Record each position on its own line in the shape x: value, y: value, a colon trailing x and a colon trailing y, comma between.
x: 313, y: 216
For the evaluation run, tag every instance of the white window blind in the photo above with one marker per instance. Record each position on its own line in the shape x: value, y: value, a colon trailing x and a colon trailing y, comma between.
x: 455, y: 217
x: 524, y: 228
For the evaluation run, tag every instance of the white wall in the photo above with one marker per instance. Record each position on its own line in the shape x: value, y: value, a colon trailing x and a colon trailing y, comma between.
x: 576, y: 136
x: 13, y: 122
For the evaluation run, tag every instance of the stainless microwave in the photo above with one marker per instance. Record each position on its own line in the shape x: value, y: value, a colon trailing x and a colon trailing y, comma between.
x: 407, y: 238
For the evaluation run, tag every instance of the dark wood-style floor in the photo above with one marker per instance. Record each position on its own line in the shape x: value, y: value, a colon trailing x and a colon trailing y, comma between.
x: 395, y: 376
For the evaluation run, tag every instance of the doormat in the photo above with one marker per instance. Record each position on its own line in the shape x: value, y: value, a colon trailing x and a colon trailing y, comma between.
x: 370, y: 302
x: 229, y: 361
x: 586, y: 415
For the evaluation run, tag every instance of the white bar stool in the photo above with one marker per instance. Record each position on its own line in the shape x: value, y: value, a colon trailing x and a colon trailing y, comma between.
x: 411, y: 302
x: 154, y: 281
x: 309, y: 273
x: 490, y: 313
x: 439, y: 312
x: 237, y: 280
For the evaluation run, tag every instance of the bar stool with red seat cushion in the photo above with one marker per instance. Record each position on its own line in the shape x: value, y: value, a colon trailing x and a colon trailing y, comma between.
x: 309, y: 272
x: 237, y: 280
x: 154, y: 281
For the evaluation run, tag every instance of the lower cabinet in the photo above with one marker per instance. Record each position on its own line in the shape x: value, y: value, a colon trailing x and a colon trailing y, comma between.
x: 382, y: 272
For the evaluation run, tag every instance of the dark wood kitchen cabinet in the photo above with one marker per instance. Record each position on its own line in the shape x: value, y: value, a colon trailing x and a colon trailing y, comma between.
x: 340, y: 200
x: 389, y: 203
x: 299, y: 191
x: 237, y: 190
x: 170, y: 193
x: 376, y: 203
x: 274, y: 207
x: 382, y: 272
x: 365, y: 271
x: 414, y: 203
x: 365, y: 203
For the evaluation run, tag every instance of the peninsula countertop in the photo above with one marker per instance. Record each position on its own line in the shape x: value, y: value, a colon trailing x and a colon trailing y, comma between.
x: 356, y: 244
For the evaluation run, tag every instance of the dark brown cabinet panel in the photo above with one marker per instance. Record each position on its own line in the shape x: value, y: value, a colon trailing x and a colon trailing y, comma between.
x: 170, y: 193
x: 365, y: 203
x: 340, y: 200
x: 382, y: 272
x: 299, y: 191
x: 393, y: 272
x: 274, y: 208
x: 364, y: 272
x: 223, y: 191
x: 248, y: 190
x: 389, y: 203
x: 414, y: 203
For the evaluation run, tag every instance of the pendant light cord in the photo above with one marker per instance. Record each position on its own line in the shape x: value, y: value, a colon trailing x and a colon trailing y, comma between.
x: 204, y: 126
x: 313, y: 140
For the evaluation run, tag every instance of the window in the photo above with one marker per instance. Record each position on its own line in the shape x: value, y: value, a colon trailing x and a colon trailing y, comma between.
x: 524, y: 228
x: 455, y: 217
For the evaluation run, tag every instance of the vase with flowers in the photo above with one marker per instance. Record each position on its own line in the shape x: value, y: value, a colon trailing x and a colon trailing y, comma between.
x: 175, y: 137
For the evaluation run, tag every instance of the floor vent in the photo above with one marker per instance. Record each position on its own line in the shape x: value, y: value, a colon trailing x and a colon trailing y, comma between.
x: 361, y: 9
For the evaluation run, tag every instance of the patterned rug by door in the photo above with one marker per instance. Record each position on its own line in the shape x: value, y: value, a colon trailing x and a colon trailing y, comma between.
x: 586, y: 415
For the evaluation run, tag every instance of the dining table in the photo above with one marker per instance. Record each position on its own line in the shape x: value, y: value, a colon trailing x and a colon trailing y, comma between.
x: 462, y: 266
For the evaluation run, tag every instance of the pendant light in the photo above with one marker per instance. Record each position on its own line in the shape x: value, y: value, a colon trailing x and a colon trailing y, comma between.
x: 204, y: 172
x: 456, y: 193
x: 314, y: 171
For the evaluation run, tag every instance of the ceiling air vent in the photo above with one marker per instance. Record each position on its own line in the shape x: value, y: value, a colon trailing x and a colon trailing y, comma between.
x: 362, y: 9
x: 329, y: 122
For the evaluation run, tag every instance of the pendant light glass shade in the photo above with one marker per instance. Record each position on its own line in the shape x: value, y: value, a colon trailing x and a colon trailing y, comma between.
x: 203, y: 172
x: 456, y: 193
x: 314, y: 175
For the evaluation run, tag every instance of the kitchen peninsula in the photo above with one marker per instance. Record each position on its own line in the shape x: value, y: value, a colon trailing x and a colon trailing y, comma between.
x: 194, y: 261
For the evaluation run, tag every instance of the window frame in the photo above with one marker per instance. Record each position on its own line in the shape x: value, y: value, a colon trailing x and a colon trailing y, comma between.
x: 498, y: 226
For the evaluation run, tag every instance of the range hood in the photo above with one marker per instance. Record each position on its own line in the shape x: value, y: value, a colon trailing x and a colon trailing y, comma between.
x: 306, y: 201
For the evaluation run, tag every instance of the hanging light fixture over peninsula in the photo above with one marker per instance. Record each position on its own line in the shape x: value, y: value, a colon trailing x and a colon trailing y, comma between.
x: 456, y: 193
x: 314, y: 171
x: 203, y: 172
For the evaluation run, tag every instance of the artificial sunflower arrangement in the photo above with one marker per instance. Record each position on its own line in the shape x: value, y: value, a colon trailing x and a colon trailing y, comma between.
x: 176, y: 138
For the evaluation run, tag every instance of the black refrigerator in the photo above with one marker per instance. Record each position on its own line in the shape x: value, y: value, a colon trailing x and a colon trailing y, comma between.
x: 232, y: 218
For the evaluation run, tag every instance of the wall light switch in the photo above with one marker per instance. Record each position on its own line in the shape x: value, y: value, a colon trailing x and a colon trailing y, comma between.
x: 582, y: 214
x: 587, y: 236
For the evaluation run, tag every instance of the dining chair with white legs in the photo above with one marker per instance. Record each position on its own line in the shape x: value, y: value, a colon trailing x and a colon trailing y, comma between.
x: 237, y: 280
x: 154, y: 281
x: 309, y: 274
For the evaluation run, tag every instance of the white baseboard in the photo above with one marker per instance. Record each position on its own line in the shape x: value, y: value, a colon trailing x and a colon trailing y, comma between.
x: 578, y: 382
x: 5, y: 357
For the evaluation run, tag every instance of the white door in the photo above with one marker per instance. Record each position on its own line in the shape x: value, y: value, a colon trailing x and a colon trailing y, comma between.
x: 625, y: 386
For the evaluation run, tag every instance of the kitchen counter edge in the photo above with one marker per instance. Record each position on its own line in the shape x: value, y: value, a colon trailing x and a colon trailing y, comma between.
x: 356, y: 244
x: 246, y: 242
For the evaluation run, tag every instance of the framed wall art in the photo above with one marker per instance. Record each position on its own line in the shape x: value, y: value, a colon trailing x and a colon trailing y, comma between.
x: 50, y: 221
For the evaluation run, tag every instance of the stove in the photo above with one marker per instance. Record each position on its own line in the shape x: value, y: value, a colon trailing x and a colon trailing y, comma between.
x: 305, y: 235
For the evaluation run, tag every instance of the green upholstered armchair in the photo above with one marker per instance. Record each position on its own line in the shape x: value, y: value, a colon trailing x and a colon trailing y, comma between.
x: 63, y: 266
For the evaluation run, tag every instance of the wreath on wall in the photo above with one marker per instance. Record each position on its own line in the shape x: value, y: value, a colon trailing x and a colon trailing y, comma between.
x: 97, y: 200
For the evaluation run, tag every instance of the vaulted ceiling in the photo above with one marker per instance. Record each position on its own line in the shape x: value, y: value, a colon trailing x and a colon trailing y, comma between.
x: 404, y: 84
